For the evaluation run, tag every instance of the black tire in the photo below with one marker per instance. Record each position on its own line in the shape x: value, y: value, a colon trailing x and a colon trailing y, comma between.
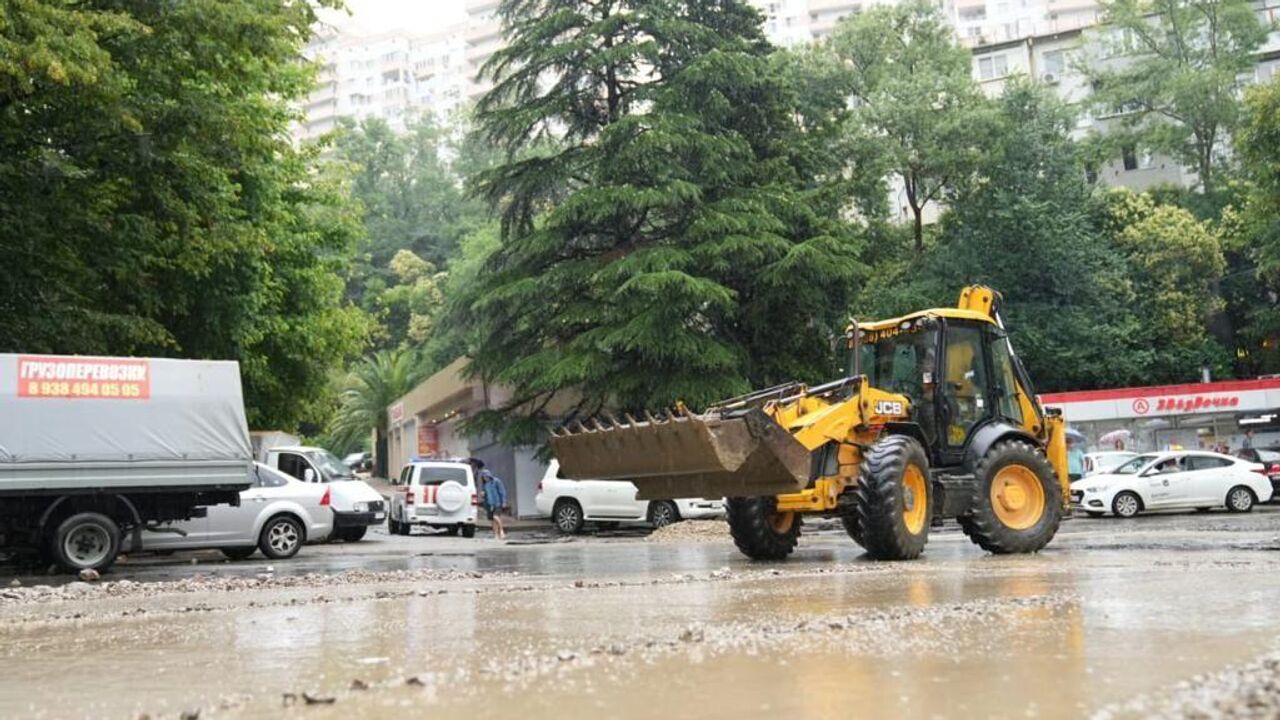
x: 663, y: 513
x: 567, y: 516
x: 853, y: 526
x: 468, y: 531
x: 1240, y: 499
x: 1130, y: 506
x: 86, y: 540
x: 982, y: 524
x: 759, y: 531
x: 281, y: 537
x: 352, y: 534
x: 238, y: 553
x: 393, y: 526
x: 452, y: 531
x: 883, y: 499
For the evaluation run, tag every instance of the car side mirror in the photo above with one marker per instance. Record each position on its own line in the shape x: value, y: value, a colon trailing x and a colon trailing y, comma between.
x: 309, y: 475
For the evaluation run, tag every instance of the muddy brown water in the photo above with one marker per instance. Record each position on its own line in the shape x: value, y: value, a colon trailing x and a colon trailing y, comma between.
x: 957, y: 634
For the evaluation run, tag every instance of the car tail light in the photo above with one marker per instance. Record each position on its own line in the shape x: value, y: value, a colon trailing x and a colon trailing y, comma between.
x: 324, y: 501
x: 1275, y: 469
x: 475, y: 499
x: 408, y: 496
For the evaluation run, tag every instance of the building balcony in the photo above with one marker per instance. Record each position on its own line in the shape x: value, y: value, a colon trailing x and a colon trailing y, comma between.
x: 817, y: 7
x: 475, y: 7
x: 483, y: 32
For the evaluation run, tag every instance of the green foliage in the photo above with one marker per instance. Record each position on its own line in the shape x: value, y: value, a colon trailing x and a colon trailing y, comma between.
x: 676, y: 236
x: 369, y: 388
x: 153, y: 201
x: 918, y: 115
x: 1171, y: 66
x: 1251, y: 233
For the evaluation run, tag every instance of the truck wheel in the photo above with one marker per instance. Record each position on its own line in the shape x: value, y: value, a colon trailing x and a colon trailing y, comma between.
x: 759, y: 530
x: 238, y: 553
x: 86, y: 540
x: 281, y: 537
x: 352, y: 534
x: 1017, y: 503
x: 894, y: 500
x: 468, y: 531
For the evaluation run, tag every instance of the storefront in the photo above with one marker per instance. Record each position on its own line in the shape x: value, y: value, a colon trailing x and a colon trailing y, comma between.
x: 1201, y: 415
x: 427, y: 423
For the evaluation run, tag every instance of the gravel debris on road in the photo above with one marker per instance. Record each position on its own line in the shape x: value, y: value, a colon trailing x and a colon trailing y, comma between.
x: 1243, y: 692
x: 706, y: 531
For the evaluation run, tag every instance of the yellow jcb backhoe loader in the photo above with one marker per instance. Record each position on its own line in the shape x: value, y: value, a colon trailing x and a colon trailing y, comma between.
x: 936, y: 419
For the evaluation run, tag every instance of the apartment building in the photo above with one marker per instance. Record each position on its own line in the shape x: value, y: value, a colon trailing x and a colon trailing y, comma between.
x: 392, y: 75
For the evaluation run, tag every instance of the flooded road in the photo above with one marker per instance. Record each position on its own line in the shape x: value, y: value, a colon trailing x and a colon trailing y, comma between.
x: 624, y: 628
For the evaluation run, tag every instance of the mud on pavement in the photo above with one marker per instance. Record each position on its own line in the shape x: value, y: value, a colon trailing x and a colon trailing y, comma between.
x: 1180, y: 627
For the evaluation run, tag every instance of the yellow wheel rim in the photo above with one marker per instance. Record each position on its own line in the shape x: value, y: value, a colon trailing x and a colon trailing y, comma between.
x: 1017, y: 497
x: 780, y: 522
x: 915, y: 499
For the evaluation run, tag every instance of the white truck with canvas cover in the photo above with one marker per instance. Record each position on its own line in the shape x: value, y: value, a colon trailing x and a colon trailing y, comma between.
x: 94, y: 449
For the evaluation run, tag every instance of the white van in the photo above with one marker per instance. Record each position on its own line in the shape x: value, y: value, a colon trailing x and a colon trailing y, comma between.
x: 356, y: 506
x: 435, y: 494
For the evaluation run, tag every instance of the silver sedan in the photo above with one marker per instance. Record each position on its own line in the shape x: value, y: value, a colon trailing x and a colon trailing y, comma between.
x: 277, y: 515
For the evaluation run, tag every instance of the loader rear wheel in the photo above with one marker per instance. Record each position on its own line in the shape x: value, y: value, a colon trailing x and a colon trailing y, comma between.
x: 894, y: 501
x: 853, y: 527
x: 759, y: 530
x: 1017, y: 502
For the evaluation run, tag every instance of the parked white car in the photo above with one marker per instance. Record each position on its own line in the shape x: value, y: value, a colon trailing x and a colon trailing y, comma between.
x: 435, y: 494
x: 1098, y: 462
x: 277, y: 515
x: 1173, y: 480
x: 571, y: 503
x: 356, y: 505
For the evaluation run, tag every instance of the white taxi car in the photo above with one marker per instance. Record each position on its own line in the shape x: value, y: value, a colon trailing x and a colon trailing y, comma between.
x: 572, y: 503
x: 1173, y: 480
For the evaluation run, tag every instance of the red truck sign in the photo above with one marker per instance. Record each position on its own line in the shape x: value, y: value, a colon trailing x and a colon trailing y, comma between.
x: 83, y: 378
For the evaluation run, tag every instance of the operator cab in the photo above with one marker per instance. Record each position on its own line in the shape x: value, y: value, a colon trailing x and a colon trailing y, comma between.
x: 958, y: 373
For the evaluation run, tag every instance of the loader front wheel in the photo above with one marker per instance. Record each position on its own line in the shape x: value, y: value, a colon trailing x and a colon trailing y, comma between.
x: 894, y: 501
x: 1017, y: 502
x: 759, y: 530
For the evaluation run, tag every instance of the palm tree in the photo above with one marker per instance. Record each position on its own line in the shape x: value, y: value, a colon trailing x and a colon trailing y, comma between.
x: 373, y: 384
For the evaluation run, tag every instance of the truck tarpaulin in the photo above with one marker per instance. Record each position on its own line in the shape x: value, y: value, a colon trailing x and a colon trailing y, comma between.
x: 57, y: 409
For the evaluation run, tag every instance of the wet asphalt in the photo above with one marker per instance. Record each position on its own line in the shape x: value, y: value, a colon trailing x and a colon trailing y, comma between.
x: 613, y: 625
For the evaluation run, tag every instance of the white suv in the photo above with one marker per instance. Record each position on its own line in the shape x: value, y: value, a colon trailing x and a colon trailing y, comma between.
x: 436, y: 494
x: 570, y: 503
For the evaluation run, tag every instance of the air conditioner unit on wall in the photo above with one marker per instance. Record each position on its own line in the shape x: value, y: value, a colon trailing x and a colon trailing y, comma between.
x: 1049, y: 78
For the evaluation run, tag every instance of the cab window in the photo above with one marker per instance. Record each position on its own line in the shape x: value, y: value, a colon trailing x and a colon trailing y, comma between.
x: 966, y: 382
x: 294, y: 465
x: 1006, y: 382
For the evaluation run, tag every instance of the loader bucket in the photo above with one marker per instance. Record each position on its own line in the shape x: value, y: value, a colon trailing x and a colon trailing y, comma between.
x: 688, y: 456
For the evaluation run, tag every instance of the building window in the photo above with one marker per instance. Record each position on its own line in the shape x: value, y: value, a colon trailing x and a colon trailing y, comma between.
x: 1129, y: 156
x: 973, y: 14
x: 1055, y: 63
x: 993, y: 66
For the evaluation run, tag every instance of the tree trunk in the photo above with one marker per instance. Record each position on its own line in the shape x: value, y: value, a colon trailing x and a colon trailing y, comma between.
x: 919, y: 228
x: 380, y: 454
